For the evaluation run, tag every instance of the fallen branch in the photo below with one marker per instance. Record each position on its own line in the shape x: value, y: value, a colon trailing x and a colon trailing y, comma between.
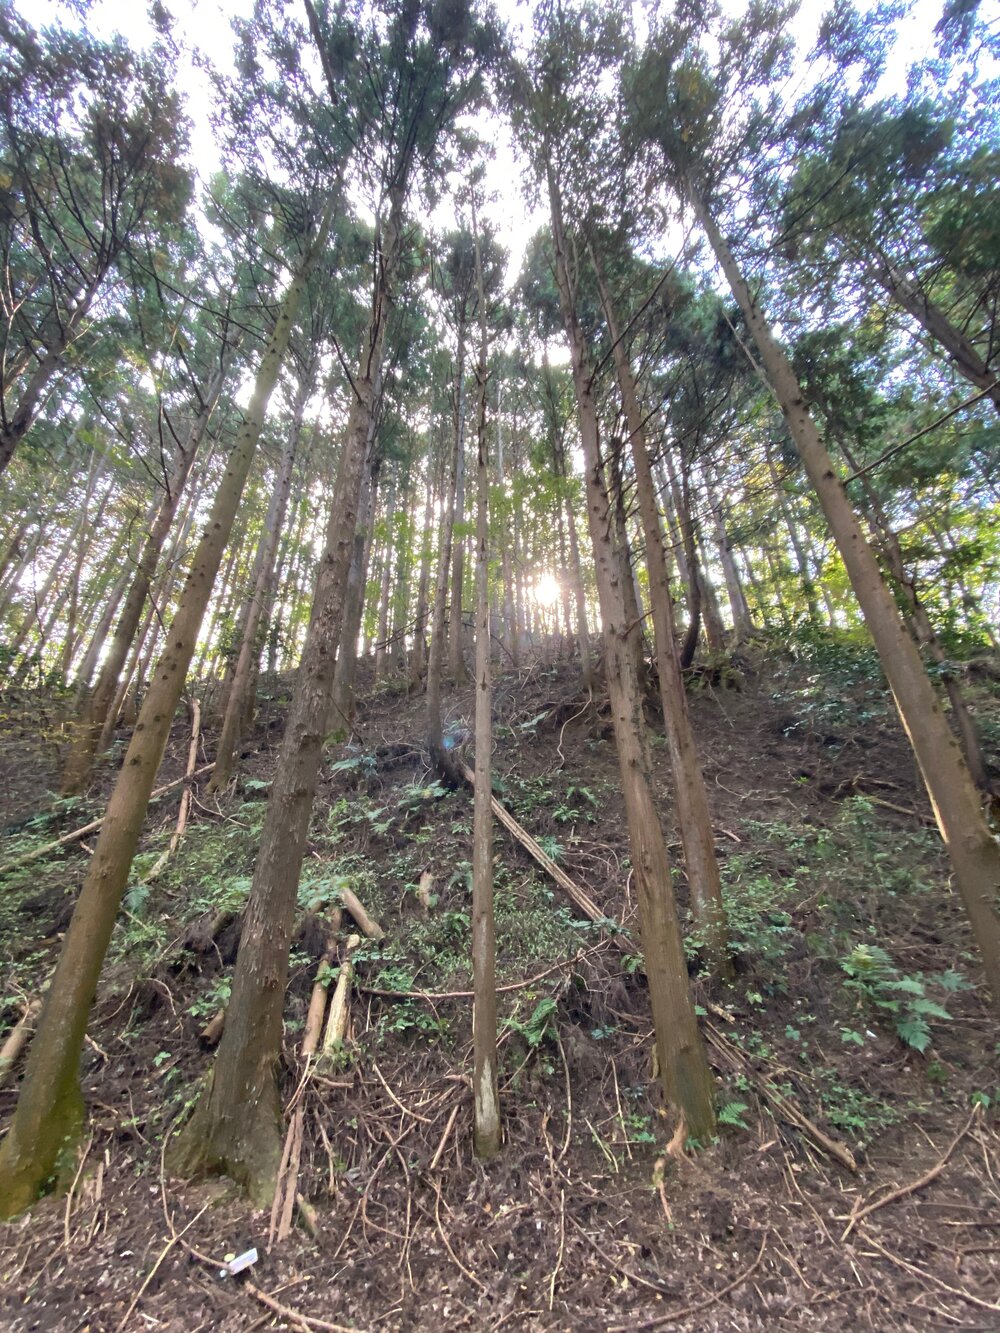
x: 432, y: 996
x: 960, y: 1292
x: 780, y: 1103
x: 152, y: 1272
x: 574, y: 892
x: 688, y: 1310
x: 286, y: 1312
x: 39, y: 852
x: 184, y: 810
x: 857, y: 1214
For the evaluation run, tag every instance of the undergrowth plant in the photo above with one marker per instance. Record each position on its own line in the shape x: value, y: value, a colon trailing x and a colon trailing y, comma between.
x: 904, y: 999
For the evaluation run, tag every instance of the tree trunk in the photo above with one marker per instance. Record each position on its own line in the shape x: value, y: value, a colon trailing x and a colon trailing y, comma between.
x: 98, y: 638
x: 340, y: 720
x: 385, y: 583
x: 237, y: 704
x: 506, y: 563
x: 485, y: 1084
x: 975, y: 855
x: 634, y: 636
x: 418, y: 652
x: 435, y: 659
x: 933, y: 320
x: 805, y: 573
x: 923, y: 630
x: 50, y: 1108
x: 457, y: 669
x: 679, y: 512
x: 40, y: 601
x: 715, y: 630
x: 693, y: 816
x: 683, y: 1066
x: 93, y: 714
x: 15, y: 426
x: 743, y: 626
x: 235, y: 1126
x: 73, y: 591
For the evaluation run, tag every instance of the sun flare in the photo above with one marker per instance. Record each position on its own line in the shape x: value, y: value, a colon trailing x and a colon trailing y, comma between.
x: 546, y: 590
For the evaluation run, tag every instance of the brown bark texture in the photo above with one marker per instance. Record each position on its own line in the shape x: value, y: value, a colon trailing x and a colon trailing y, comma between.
x: 974, y: 853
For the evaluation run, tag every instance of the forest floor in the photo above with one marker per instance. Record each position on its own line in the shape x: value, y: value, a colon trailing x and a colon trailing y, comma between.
x: 852, y: 1024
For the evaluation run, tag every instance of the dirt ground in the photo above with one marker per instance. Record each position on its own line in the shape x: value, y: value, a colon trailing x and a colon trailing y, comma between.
x: 590, y: 1219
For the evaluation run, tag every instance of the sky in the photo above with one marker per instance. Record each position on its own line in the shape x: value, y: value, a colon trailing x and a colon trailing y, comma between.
x: 204, y: 25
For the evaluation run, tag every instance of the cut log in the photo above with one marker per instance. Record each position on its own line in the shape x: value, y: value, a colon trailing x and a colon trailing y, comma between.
x: 212, y: 1031
x: 424, y: 891
x: 366, y: 924
x: 340, y: 1005
x: 17, y: 1039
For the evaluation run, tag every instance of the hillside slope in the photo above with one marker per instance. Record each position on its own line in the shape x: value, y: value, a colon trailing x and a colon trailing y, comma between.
x: 852, y: 1031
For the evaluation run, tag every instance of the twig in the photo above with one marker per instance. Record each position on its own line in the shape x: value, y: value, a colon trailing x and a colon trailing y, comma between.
x: 72, y: 1190
x: 184, y: 809
x: 286, y: 1312
x: 569, y: 1101
x: 903, y: 1190
x: 562, y: 732
x: 447, y: 1244
x: 562, y: 1247
x: 160, y: 1258
x: 929, y: 1277
x: 780, y: 1103
x: 405, y: 1109
x: 716, y: 1296
x: 444, y: 1138
x: 468, y: 994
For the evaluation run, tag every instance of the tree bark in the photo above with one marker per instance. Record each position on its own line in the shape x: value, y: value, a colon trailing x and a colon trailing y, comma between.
x: 693, y: 816
x: 457, y: 670
x: 93, y: 714
x: 975, y: 855
x: 342, y: 702
x: 50, y: 1108
x: 485, y: 1084
x: 235, y: 1127
x: 237, y: 704
x: 683, y: 1065
x: 435, y: 658
x: 385, y: 582
x: 910, y: 296
x: 923, y: 630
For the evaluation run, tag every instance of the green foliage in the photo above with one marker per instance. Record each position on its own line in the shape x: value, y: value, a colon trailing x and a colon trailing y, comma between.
x: 731, y: 1114
x: 903, y: 998
x: 537, y: 1026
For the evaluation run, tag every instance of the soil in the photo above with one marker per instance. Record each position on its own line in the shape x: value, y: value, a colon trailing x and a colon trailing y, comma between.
x: 591, y: 1218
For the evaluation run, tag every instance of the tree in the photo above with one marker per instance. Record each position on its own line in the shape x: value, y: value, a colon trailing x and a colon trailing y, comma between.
x: 90, y: 133
x: 485, y: 1084
x: 553, y: 117
x: 686, y: 131
x: 50, y: 1107
x: 422, y: 75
